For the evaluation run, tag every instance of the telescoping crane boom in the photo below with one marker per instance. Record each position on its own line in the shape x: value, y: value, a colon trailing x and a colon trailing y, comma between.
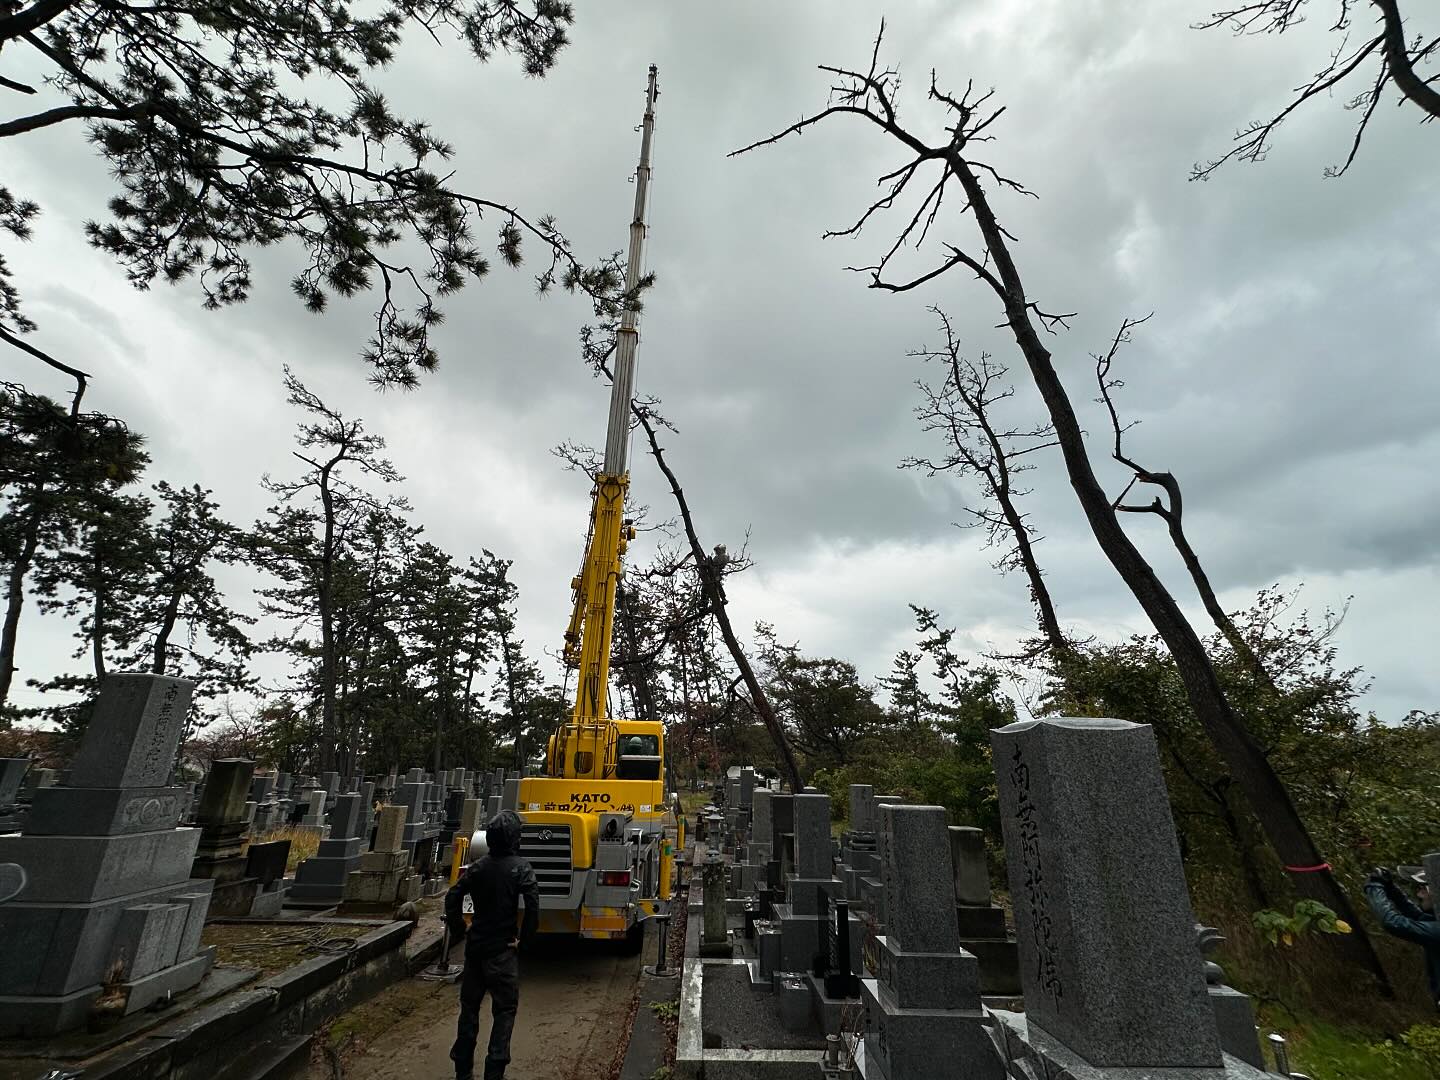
x: 598, y: 826
x: 588, y: 637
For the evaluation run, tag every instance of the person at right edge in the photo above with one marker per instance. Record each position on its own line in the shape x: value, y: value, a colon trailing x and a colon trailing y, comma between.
x: 1406, y: 919
x: 496, y: 883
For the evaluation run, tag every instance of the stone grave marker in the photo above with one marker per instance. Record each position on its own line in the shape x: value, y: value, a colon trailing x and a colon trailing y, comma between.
x: 108, y: 891
x: 982, y: 923
x: 924, y: 1019
x: 265, y: 863
x: 223, y: 831
x: 12, y: 772
x: 470, y: 821
x: 314, y: 809
x: 382, y: 877
x: 1102, y: 914
x: 320, y: 880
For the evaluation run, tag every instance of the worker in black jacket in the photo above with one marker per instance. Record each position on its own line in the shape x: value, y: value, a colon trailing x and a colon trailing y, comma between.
x: 496, y: 884
x: 1411, y: 920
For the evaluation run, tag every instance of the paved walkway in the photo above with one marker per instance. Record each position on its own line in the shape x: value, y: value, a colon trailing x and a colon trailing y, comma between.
x: 574, y: 1004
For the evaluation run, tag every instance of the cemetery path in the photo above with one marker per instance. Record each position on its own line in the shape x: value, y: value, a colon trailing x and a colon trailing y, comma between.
x: 574, y: 1009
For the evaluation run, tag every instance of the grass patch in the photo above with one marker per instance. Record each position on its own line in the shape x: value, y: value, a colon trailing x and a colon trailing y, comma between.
x: 1328, y: 1051
x: 692, y: 801
x: 665, y: 1010
x: 304, y: 843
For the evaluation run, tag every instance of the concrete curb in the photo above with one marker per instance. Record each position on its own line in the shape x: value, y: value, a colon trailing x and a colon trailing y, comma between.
x: 265, y: 1031
x: 649, y: 1039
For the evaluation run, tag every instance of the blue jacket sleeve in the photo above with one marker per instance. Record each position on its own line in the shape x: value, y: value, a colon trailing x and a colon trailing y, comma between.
x: 1422, y: 931
x: 1403, y: 904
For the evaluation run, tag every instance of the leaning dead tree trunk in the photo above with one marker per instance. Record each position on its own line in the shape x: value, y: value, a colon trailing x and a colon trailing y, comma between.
x: 710, y: 569
x: 712, y: 581
x: 870, y: 96
x: 1171, y: 511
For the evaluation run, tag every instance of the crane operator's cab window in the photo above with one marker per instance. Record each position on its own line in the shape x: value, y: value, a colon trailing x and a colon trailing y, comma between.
x: 639, y: 758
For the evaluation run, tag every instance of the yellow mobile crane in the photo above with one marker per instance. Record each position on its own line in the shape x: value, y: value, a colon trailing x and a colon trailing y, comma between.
x: 597, y: 827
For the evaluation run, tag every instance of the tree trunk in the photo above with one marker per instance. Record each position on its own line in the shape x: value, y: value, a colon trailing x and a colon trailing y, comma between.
x: 327, y: 625
x: 639, y: 681
x: 710, y: 580
x: 1039, y: 591
x: 167, y: 626
x: 510, y: 698
x: 1264, y: 790
x: 15, y: 591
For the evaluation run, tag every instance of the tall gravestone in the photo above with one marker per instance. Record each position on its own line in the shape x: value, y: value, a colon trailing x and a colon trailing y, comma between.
x: 924, y: 1019
x: 1102, y: 915
x: 981, y: 922
x: 382, y: 877
x: 109, y: 906
x: 320, y: 880
x: 12, y: 772
x: 223, y: 831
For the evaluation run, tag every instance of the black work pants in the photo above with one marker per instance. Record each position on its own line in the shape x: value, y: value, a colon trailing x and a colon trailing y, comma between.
x: 499, y: 976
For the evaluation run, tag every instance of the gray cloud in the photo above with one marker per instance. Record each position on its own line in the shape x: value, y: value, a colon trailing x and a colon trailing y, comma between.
x: 1288, y: 374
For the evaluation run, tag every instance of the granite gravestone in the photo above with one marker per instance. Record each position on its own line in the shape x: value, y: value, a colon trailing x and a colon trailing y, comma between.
x: 924, y: 1019
x: 814, y: 866
x: 266, y: 863
x: 382, y: 877
x: 223, y: 831
x: 982, y: 923
x: 470, y: 821
x: 12, y: 772
x: 1102, y: 915
x: 108, y: 897
x: 320, y: 880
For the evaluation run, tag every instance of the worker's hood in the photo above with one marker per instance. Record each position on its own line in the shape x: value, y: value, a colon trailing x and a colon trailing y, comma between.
x: 502, y: 834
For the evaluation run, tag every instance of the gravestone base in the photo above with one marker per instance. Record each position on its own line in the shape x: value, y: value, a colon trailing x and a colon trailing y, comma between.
x: 745, y: 878
x: 1029, y: 1050
x: 1235, y: 1019
x: 35, y: 1017
x: 980, y: 922
x: 75, y: 869
x: 829, y: 1011
x: 320, y: 879
x: 368, y: 891
x: 872, y: 896
x: 982, y: 932
x: 927, y: 980
x: 926, y: 1044
x: 434, y: 887
x: 105, y: 811
x: 804, y: 893
x: 268, y: 901
x: 800, y: 938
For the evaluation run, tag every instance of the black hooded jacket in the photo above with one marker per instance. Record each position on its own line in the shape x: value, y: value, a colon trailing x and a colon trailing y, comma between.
x: 496, y: 883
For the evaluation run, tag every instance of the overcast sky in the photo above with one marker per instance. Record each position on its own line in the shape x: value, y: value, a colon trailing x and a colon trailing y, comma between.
x: 1288, y: 375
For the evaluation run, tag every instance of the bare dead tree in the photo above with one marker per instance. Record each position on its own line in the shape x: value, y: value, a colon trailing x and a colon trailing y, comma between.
x: 961, y: 410
x: 1169, y: 509
x: 1373, y: 57
x: 870, y: 96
